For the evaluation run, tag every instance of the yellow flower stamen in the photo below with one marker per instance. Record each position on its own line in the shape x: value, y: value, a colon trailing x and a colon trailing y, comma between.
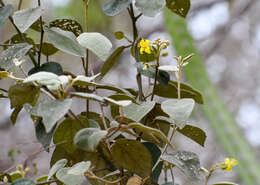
x: 144, y: 46
x: 228, y: 164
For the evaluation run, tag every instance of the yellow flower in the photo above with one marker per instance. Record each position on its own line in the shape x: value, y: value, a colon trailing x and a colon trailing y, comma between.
x: 228, y: 164
x: 144, y: 46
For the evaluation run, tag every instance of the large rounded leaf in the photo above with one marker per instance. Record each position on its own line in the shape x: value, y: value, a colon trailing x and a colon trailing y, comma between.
x: 88, y: 139
x: 150, y: 7
x: 114, y: 7
x: 97, y: 43
x: 132, y: 155
x: 179, y: 110
x: 58, y: 165
x: 65, y: 41
x: 23, y: 19
x: 23, y: 181
x: 186, y: 161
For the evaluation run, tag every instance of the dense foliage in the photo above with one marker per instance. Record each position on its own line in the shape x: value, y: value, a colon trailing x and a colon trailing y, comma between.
x: 133, y: 144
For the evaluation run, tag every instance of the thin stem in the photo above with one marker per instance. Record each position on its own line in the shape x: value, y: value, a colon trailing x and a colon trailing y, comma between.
x: 42, y: 35
x: 208, y: 177
x: 47, y: 182
x: 87, y: 52
x: 156, y: 75
x: 20, y: 4
x: 102, y: 115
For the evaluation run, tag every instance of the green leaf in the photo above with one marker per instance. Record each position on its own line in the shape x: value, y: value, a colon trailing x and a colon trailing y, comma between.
x: 23, y: 19
x: 4, y: 74
x: 119, y: 97
x: 180, y: 7
x: 133, y: 156
x: 97, y: 43
x: 178, y: 110
x: 225, y: 183
x: 68, y: 179
x: 42, y: 179
x: 47, y: 49
x: 171, y: 91
x: 88, y: 96
x: 66, y: 132
x: 23, y: 182
x: 79, y: 168
x: 58, y: 165
x: 51, y: 111
x: 188, y: 162
x: 150, y: 7
x: 41, y: 135
x: 194, y: 133
x: 16, y: 175
x: 163, y: 77
x: 65, y: 41
x: 96, y: 117
x: 155, y: 153
x: 150, y: 131
x: 112, y: 60
x: 52, y: 67
x: 14, y: 52
x: 67, y: 25
x: 15, y: 114
x: 122, y: 103
x: 114, y: 7
x: 51, y: 80
x: 5, y: 12
x: 21, y: 94
x: 137, y: 112
x: 88, y: 139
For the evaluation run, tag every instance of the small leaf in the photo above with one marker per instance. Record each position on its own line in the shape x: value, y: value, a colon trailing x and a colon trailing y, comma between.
x: 5, y: 12
x: 51, y: 111
x: 186, y: 161
x: 137, y: 112
x: 97, y: 43
x: 47, y: 49
x: 119, y: 97
x: 112, y: 60
x: 21, y: 94
x: 51, y: 80
x: 88, y: 139
x: 150, y: 7
x: 180, y: 7
x: 16, y: 51
x: 52, y: 67
x: 43, y: 137
x: 150, y: 131
x: 170, y: 91
x: 178, y: 110
x: 194, y: 133
x: 133, y: 156
x: 67, y: 25
x: 79, y: 168
x: 88, y: 96
x: 58, y: 165
x: 114, y: 7
x: 68, y: 179
x: 23, y: 19
x: 65, y: 41
x: 23, y: 181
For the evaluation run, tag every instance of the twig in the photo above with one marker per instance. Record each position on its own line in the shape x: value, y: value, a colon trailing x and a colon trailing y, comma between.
x: 20, y: 4
x: 91, y: 175
x: 47, y: 182
x: 42, y: 35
